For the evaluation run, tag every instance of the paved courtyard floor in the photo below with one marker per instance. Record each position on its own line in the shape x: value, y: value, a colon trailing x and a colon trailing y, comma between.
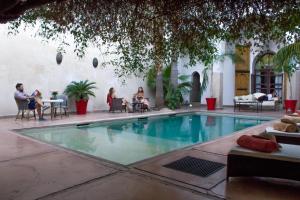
x: 30, y: 169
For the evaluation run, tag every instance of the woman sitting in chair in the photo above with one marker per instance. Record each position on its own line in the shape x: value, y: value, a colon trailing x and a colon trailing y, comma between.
x: 112, y: 95
x: 140, y: 97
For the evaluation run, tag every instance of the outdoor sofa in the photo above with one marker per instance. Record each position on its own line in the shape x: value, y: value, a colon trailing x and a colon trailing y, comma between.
x: 253, y: 100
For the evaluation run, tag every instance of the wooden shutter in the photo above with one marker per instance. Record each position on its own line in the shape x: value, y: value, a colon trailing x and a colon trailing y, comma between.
x: 242, y: 70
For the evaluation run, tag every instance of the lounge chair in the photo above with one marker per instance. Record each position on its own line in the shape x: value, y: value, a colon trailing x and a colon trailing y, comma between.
x: 23, y: 108
x: 284, y: 137
x: 284, y: 164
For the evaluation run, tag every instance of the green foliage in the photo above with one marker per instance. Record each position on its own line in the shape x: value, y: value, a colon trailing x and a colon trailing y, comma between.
x: 287, y: 58
x: 151, y: 78
x: 173, y: 96
x: 205, y: 79
x: 81, y: 89
x: 141, y: 34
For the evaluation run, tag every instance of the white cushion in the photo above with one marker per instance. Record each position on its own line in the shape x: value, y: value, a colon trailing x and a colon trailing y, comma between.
x: 268, y: 103
x: 269, y: 97
x: 247, y: 97
x: 272, y: 131
x: 257, y: 95
x: 288, y: 152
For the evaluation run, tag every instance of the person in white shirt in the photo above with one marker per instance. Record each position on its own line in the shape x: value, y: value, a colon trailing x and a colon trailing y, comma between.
x: 20, y: 94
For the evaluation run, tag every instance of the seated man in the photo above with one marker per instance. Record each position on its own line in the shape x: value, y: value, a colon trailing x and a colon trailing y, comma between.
x: 19, y: 94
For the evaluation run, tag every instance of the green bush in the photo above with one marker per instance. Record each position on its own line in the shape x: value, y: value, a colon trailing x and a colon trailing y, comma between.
x: 173, y: 96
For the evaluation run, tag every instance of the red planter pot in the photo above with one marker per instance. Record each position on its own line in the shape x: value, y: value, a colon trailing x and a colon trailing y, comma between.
x: 211, y: 103
x: 290, y: 104
x: 81, y: 106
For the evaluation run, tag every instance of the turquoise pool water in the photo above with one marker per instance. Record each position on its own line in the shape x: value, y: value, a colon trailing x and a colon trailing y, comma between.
x: 129, y: 141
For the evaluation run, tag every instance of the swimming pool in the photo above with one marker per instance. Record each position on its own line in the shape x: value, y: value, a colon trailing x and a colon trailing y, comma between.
x: 129, y: 141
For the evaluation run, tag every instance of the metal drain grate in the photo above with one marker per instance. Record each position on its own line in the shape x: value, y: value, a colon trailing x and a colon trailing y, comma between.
x: 195, y: 166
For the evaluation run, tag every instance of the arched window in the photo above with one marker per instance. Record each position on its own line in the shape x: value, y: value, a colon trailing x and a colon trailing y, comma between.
x: 266, y: 80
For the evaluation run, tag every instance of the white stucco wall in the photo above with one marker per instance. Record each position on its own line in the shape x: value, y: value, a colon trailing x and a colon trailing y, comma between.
x: 228, y: 77
x: 26, y: 59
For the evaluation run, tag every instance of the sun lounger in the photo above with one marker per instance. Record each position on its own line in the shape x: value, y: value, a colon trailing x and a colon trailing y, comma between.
x: 281, y: 164
x: 284, y: 137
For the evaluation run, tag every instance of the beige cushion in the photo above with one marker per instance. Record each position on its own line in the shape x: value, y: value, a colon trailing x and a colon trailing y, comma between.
x: 272, y: 131
x: 288, y: 152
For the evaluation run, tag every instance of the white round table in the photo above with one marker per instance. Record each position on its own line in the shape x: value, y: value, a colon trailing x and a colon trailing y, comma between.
x: 52, y: 107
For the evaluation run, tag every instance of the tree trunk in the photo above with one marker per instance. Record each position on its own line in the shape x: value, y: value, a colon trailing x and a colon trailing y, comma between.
x: 291, y: 88
x: 159, y: 94
x: 211, y: 81
x: 159, y: 52
x: 174, y: 72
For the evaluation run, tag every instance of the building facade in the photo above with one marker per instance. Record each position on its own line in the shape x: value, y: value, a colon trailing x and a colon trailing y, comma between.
x: 29, y: 60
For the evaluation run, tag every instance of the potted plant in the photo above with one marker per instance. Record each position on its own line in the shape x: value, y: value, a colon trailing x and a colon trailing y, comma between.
x: 286, y: 61
x: 211, y: 101
x: 81, y: 91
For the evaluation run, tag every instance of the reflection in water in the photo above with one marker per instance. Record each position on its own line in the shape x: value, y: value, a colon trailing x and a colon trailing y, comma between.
x: 140, y: 126
x: 82, y: 142
x: 114, y: 129
x: 210, y: 121
x: 195, y: 128
x: 129, y: 141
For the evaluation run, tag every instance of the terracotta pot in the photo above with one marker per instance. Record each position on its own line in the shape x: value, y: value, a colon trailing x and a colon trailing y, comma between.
x: 81, y: 106
x: 290, y: 104
x: 211, y: 103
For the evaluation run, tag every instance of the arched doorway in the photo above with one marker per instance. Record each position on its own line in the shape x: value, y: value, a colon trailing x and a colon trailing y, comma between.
x: 195, y: 92
x: 264, y: 78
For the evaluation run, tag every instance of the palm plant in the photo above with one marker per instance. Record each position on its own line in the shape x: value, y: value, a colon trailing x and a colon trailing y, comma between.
x: 80, y: 90
x: 173, y: 95
x: 286, y: 60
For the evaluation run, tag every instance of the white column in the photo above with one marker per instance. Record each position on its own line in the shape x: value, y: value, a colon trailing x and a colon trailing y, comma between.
x: 218, y: 88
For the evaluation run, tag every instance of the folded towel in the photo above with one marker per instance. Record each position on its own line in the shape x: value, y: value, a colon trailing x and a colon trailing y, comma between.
x: 288, y: 121
x: 285, y: 127
x: 257, y: 143
x: 292, y: 118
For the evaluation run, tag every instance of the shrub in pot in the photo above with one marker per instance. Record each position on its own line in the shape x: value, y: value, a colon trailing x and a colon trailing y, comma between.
x: 81, y: 91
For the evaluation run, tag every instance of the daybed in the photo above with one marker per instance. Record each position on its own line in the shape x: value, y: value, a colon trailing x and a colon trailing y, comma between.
x: 253, y: 100
x: 284, y: 137
x: 281, y: 164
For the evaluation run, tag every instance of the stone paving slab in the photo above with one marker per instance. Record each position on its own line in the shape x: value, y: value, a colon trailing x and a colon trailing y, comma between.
x: 155, y: 166
x: 33, y: 177
x: 127, y: 186
x: 260, y: 189
x: 13, y: 146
